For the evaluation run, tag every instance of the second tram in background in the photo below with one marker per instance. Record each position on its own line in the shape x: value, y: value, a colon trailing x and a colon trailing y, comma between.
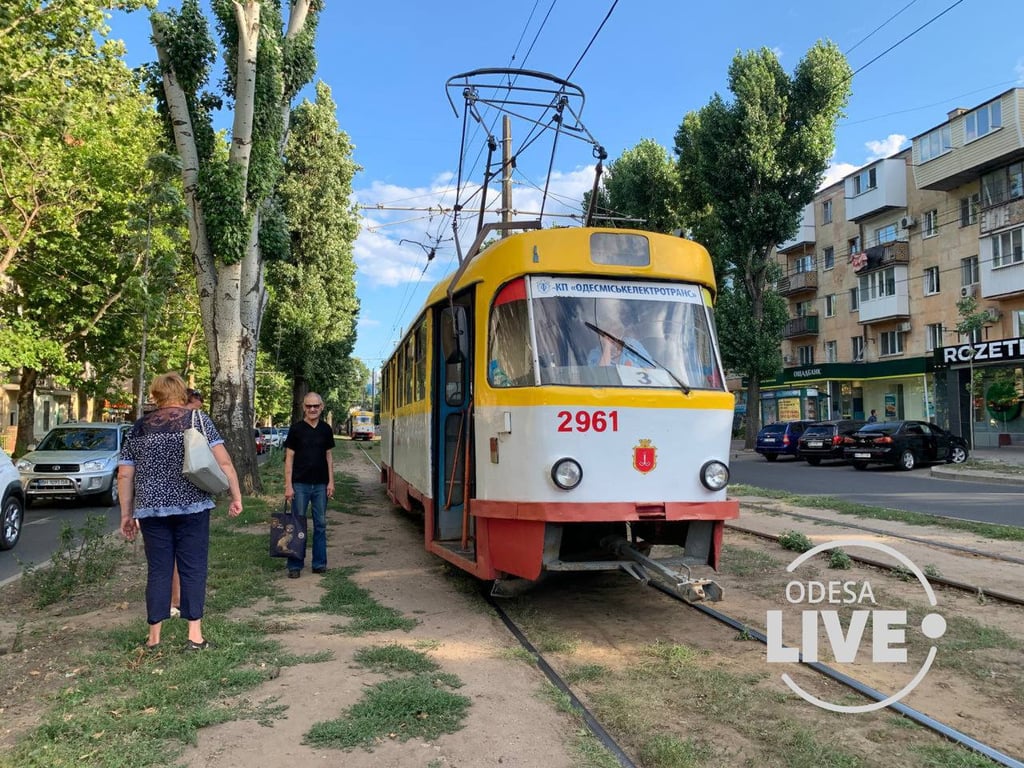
x: 360, y: 425
x: 559, y: 405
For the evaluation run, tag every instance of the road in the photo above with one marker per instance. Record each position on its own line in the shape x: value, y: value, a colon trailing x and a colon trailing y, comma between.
x: 881, y: 486
x: 41, y: 533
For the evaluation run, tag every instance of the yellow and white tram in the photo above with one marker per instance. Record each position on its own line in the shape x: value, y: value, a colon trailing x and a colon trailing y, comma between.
x: 559, y: 404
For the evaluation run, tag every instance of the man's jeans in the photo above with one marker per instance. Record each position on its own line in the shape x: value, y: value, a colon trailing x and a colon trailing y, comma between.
x: 312, y: 495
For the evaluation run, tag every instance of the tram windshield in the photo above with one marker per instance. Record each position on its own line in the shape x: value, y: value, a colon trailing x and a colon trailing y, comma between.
x: 589, y: 332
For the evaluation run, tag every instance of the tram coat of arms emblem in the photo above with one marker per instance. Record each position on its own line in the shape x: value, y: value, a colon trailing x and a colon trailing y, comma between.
x: 645, y: 457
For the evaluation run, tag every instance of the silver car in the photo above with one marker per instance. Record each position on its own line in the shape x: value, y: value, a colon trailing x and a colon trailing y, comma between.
x: 74, y: 460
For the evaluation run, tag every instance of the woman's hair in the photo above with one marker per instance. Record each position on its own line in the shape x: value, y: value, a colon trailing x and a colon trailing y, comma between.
x: 168, y: 389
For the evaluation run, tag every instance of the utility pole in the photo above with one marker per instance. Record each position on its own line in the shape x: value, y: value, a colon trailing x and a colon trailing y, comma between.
x: 506, y: 172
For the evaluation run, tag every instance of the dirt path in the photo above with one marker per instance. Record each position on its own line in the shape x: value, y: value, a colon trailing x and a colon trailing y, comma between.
x: 508, y: 724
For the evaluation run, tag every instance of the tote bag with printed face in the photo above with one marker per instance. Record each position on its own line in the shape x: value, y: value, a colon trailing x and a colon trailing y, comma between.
x: 200, y: 467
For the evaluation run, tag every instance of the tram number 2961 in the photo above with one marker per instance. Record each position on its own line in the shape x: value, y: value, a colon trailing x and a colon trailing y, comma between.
x: 588, y: 421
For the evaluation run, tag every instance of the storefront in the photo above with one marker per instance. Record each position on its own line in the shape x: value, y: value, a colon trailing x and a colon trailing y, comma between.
x: 896, y: 389
x: 982, y: 385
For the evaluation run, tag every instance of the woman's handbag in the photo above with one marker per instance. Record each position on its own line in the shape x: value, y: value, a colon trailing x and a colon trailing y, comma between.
x: 287, y: 533
x: 200, y: 467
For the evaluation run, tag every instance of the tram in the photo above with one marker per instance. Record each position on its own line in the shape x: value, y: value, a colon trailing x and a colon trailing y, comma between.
x: 360, y: 425
x: 559, y: 405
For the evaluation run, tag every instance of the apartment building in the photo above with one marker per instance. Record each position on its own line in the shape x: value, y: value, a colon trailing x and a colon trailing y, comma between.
x: 876, y: 269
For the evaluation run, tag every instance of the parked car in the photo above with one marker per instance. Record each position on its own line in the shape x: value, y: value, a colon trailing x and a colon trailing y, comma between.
x: 262, y: 442
x: 780, y: 439
x: 904, y: 444
x: 74, y: 460
x: 12, y: 503
x: 823, y: 440
x: 273, y: 436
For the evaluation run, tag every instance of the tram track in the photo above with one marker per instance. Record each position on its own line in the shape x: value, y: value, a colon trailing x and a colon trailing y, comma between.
x: 609, y: 742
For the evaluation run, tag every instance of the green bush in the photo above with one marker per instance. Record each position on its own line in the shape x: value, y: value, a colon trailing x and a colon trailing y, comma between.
x: 84, y: 557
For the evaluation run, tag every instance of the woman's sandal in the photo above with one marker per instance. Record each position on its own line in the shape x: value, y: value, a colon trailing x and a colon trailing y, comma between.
x: 149, y: 648
x: 191, y: 645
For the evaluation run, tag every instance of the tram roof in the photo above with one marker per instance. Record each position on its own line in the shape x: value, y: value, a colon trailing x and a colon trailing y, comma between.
x: 556, y: 251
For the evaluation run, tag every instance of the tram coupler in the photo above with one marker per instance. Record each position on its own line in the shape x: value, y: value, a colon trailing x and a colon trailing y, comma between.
x: 644, y: 569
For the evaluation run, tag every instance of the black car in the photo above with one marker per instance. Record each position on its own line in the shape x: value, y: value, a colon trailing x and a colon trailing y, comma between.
x: 779, y: 439
x: 823, y: 441
x: 904, y: 444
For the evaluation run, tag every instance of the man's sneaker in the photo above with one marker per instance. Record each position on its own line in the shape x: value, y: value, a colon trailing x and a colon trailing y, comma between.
x: 293, y: 574
x: 320, y: 570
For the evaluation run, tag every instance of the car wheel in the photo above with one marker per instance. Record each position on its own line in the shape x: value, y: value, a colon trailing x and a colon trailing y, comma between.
x: 111, y: 497
x: 860, y: 465
x: 814, y: 462
x: 907, y: 460
x: 770, y: 457
x: 12, y: 515
x: 958, y: 454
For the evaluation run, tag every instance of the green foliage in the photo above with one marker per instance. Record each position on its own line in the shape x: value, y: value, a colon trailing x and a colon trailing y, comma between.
x: 641, y: 185
x: 839, y: 559
x: 344, y: 597
x: 227, y: 221
x: 85, y: 557
x: 797, y: 542
x: 393, y: 658
x: 749, y: 343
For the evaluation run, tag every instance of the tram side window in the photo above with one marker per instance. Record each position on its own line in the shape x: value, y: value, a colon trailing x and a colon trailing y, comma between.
x: 410, y: 372
x: 421, y: 360
x: 510, y: 353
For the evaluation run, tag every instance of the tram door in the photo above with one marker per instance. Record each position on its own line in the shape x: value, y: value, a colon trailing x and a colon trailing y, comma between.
x: 452, y: 427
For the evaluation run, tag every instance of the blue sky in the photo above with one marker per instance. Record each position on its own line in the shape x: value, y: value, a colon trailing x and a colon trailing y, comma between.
x: 387, y: 63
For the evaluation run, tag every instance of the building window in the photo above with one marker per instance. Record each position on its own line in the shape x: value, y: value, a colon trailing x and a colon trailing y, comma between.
x: 974, y: 337
x: 885, y: 235
x: 854, y: 244
x: 890, y: 343
x: 935, y: 143
x: 857, y: 349
x: 930, y: 228
x: 826, y: 212
x: 969, y: 210
x: 1006, y: 248
x: 983, y: 120
x: 806, y: 354
x: 969, y: 271
x: 865, y: 181
x: 830, y: 305
x: 877, y: 285
x: 1002, y: 185
x: 831, y: 352
x: 804, y: 264
x: 932, y: 337
x: 829, y: 257
x: 1017, y: 322
x: 804, y: 308
x: 931, y: 281
x: 854, y: 300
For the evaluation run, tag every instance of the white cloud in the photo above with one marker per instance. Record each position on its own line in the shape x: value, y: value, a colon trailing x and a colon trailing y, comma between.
x: 383, y: 260
x: 887, y: 147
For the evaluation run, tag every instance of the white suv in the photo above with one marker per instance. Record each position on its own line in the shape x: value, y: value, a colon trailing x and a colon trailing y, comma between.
x: 12, y: 503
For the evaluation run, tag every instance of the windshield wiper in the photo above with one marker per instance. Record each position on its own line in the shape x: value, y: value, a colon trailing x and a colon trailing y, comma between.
x: 624, y: 345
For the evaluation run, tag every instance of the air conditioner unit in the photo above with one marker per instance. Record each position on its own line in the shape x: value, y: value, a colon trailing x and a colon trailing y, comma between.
x: 904, y: 327
x: 968, y: 291
x: 787, y: 359
x: 992, y: 314
x: 907, y: 222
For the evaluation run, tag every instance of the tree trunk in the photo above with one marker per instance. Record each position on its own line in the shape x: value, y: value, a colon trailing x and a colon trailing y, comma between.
x: 300, y: 388
x: 26, y: 410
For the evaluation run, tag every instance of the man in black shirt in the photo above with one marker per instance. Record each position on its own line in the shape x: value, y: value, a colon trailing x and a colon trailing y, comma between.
x: 309, y: 477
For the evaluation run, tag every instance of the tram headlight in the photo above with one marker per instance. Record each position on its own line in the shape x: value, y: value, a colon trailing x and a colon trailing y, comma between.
x: 567, y: 473
x: 714, y: 475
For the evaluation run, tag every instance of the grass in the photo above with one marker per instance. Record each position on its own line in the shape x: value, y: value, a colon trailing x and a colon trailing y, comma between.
x: 986, y: 530
x: 122, y: 707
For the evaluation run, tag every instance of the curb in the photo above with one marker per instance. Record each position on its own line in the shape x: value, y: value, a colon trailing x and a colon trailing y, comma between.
x: 976, y: 476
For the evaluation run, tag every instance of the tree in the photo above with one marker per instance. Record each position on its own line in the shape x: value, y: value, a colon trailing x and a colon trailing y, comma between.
x: 748, y: 168
x: 228, y: 185
x: 642, y: 187
x: 58, y: 77
x: 310, y: 324
x: 972, y: 320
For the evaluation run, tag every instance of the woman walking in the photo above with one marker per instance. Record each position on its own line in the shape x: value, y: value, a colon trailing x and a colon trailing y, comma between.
x: 172, y: 513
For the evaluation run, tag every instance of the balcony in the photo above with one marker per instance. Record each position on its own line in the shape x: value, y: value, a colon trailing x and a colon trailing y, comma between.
x: 806, y: 325
x: 876, y: 188
x: 966, y: 159
x: 880, y: 256
x: 798, y: 282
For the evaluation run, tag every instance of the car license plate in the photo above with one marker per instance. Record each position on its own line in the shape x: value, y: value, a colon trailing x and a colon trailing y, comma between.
x: 769, y: 439
x: 814, y: 443
x: 52, y: 483
x: 862, y: 455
